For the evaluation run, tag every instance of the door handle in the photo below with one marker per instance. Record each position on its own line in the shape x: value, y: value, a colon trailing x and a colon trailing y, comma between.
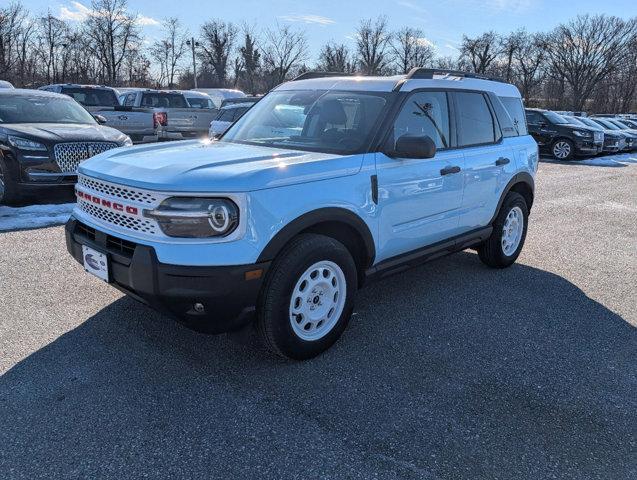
x: 502, y: 161
x: 449, y: 170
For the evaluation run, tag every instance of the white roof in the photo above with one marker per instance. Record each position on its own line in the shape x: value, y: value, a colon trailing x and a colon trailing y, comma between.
x: 5, y: 84
x: 387, y: 84
x: 194, y: 94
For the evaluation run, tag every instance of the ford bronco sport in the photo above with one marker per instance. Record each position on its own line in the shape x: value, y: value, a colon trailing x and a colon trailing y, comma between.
x: 325, y: 182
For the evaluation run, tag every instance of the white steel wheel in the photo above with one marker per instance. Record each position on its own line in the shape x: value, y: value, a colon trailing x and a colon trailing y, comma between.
x: 317, y: 300
x: 562, y: 150
x: 512, y: 231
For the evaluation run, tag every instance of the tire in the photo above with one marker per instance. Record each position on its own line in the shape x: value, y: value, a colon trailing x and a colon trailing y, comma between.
x: 563, y: 149
x: 286, y: 299
x: 8, y: 189
x: 502, y: 248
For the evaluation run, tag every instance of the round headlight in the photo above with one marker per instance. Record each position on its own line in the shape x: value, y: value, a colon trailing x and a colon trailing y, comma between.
x: 196, y: 217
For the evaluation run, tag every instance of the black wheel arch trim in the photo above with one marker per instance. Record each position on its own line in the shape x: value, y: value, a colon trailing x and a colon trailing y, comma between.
x: 316, y: 217
x: 522, y: 177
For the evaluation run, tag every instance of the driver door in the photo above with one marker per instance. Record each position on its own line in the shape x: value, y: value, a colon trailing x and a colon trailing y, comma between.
x: 420, y: 199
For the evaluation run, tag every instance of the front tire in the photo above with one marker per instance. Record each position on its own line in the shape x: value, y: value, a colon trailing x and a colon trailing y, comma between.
x: 563, y: 149
x: 307, y: 298
x: 509, y: 232
x: 8, y: 189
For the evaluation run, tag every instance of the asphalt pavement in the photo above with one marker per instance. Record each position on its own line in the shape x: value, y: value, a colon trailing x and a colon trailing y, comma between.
x: 448, y: 371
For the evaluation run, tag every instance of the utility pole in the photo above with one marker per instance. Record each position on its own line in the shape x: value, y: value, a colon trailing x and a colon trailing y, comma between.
x: 192, y: 43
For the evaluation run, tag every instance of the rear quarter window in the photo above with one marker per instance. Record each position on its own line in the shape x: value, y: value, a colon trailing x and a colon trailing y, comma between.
x: 476, y: 125
x: 515, y: 109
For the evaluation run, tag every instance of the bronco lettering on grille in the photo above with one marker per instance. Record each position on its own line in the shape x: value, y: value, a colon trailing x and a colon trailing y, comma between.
x: 106, y: 203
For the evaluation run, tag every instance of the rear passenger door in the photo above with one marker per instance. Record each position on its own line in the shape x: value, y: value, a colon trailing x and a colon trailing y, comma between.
x: 487, y: 159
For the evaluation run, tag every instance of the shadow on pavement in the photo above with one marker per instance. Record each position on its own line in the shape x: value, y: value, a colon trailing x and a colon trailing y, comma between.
x: 450, y: 370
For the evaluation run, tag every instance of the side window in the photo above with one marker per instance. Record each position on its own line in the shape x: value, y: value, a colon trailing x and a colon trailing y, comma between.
x: 475, y: 121
x: 533, y: 118
x: 515, y: 109
x: 227, y: 115
x: 425, y: 113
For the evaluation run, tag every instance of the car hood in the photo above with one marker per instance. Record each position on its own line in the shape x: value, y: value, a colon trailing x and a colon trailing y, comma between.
x: 56, y: 132
x: 204, y: 166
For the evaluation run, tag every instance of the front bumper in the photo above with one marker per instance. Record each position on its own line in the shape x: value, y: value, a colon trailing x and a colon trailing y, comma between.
x: 587, y: 147
x: 228, y: 297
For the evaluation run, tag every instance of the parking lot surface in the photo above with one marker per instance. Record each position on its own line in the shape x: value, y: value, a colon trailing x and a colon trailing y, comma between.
x: 447, y: 371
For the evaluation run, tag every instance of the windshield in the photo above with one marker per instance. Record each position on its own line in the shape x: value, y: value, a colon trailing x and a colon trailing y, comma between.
x: 555, y: 118
x: 590, y: 123
x: 618, y: 124
x: 576, y: 121
x: 324, y: 121
x: 92, y: 97
x: 164, y: 100
x: 42, y: 109
x: 607, y: 124
x: 200, y: 102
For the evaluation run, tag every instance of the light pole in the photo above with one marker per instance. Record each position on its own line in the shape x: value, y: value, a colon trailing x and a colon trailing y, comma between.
x: 192, y: 43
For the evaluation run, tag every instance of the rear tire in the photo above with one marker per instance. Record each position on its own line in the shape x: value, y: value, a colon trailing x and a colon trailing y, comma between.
x: 563, y: 149
x: 504, y: 245
x: 307, y: 297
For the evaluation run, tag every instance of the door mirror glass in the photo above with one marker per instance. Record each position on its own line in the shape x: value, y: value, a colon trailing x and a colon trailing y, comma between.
x: 414, y: 146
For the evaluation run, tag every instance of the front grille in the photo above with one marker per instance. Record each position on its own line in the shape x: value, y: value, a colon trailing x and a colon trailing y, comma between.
x: 85, y: 231
x: 69, y: 155
x: 124, y: 221
x: 118, y: 191
x: 598, y: 137
x: 611, y: 142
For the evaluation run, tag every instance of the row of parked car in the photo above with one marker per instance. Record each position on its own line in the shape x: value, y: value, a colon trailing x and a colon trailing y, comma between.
x: 569, y: 135
x: 148, y: 115
x: 46, y: 133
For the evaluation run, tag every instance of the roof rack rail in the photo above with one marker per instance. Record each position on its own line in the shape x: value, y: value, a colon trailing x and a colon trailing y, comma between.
x: 428, y: 73
x: 311, y: 75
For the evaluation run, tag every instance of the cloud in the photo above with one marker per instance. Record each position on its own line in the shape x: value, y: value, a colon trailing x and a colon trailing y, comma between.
x: 77, y: 12
x: 147, y: 21
x: 306, y: 18
x: 412, y: 6
x: 425, y: 42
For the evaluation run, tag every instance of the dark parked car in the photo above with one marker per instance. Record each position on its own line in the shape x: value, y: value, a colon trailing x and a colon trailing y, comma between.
x: 631, y: 138
x: 43, y: 138
x: 561, y: 138
x: 613, y: 141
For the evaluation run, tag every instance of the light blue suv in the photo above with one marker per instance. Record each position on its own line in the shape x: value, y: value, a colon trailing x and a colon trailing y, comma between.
x: 324, y: 183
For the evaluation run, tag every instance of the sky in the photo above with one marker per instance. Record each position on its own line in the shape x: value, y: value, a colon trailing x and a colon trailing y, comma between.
x: 443, y: 22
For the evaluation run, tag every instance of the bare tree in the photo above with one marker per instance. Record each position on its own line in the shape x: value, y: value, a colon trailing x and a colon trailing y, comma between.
x: 13, y: 18
x: 372, y: 41
x: 217, y: 42
x: 529, y: 63
x: 585, y: 51
x: 284, y: 50
x: 336, y: 58
x: 411, y: 49
x: 481, y: 51
x: 169, y: 51
x: 510, y: 45
x: 250, y: 59
x: 52, y: 34
x: 112, y: 32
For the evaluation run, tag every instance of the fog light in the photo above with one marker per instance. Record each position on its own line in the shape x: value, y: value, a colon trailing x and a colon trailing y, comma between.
x: 199, y: 308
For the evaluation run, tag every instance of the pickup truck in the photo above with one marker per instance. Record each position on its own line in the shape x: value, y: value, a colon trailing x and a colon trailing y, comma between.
x: 172, y: 116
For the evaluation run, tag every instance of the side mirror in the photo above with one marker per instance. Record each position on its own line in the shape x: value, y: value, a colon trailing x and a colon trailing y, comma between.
x: 414, y: 146
x: 100, y: 119
x: 543, y: 125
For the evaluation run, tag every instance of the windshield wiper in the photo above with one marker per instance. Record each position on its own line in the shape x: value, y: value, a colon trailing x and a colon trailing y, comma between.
x: 433, y: 122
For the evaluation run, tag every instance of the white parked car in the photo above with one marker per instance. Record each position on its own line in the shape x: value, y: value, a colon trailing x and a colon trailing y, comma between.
x: 5, y: 84
x: 227, y: 116
x: 198, y: 99
x: 218, y: 95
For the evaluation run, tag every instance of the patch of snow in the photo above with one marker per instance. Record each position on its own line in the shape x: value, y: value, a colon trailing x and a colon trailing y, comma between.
x: 619, y: 160
x: 34, y: 216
